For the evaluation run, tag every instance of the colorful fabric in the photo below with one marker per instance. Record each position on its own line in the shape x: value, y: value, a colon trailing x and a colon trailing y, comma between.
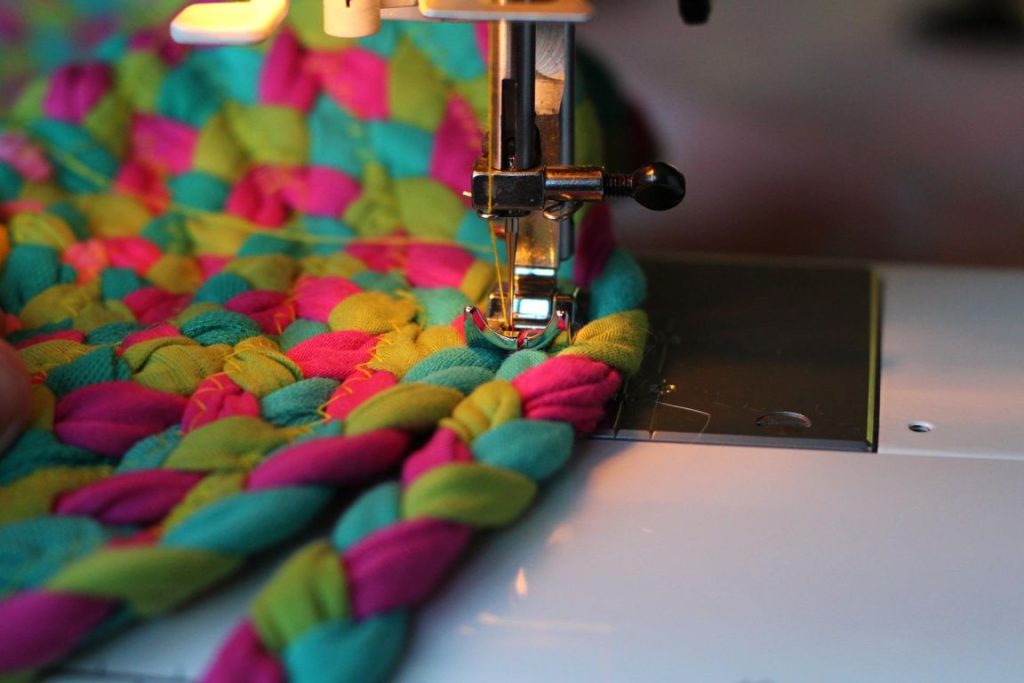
x: 236, y: 278
x: 42, y: 35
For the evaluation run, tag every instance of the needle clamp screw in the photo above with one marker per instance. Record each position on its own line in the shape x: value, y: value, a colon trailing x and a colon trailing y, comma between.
x: 658, y: 186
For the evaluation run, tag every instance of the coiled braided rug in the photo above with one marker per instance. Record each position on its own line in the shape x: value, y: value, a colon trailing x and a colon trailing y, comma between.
x: 236, y: 277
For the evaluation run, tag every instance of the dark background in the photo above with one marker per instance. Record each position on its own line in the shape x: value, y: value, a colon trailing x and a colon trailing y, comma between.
x: 881, y: 129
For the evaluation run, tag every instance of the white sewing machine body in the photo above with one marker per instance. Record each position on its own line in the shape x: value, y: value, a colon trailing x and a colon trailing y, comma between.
x: 661, y: 561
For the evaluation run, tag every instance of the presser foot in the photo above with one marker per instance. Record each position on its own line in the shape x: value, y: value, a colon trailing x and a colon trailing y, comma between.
x: 492, y: 330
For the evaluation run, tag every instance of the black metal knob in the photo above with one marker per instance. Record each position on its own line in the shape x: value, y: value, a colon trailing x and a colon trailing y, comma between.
x: 658, y: 186
x: 695, y: 11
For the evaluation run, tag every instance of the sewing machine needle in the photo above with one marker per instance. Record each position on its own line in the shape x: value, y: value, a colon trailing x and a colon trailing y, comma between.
x: 511, y: 243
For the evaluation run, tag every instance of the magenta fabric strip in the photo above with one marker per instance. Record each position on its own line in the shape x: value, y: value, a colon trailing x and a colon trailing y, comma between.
x: 75, y: 89
x: 320, y: 191
x: 569, y: 389
x: 401, y: 564
x: 136, y: 498
x: 162, y: 143
x: 110, y: 417
x: 357, y: 389
x: 338, y: 460
x: 458, y: 144
x: 152, y: 305
x: 444, y: 447
x: 437, y: 265
x: 272, y: 311
x: 356, y: 78
x: 379, y: 256
x: 131, y: 252
x: 45, y: 626
x: 161, y: 331
x: 216, y: 398
x: 285, y: 81
x: 25, y: 156
x: 316, y: 297
x: 243, y: 659
x: 335, y: 355
x: 158, y: 40
x: 259, y: 196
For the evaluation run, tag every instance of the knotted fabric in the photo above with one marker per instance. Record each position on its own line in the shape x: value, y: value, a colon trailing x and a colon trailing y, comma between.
x: 236, y: 277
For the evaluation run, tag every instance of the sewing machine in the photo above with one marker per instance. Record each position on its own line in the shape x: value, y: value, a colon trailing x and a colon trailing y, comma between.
x: 815, y: 476
x: 525, y: 183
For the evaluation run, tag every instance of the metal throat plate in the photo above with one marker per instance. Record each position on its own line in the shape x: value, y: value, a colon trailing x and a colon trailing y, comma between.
x: 754, y: 354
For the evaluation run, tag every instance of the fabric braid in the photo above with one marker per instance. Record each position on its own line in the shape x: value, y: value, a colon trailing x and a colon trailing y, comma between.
x: 236, y: 277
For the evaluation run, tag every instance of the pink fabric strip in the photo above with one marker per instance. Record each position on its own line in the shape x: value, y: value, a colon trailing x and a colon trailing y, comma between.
x: 109, y: 417
x: 243, y: 659
x: 316, y: 297
x: 444, y: 447
x: 401, y: 564
x: 48, y: 626
x: 155, y: 332
x: 74, y: 90
x: 136, y: 498
x: 151, y: 305
x: 437, y: 265
x: 285, y: 81
x: 569, y: 389
x: 259, y: 196
x: 145, y: 183
x: 136, y: 253
x: 335, y: 355
x: 216, y: 398
x: 379, y: 256
x: 320, y: 191
x: 457, y: 145
x: 25, y: 156
x: 163, y: 143
x: 355, y: 390
x: 272, y: 311
x: 338, y: 460
x: 356, y: 78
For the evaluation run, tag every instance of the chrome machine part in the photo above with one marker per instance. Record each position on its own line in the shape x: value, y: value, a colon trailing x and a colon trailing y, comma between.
x: 755, y: 352
x: 526, y: 184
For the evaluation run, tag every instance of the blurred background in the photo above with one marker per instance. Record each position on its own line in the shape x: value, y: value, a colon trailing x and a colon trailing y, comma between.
x: 878, y: 129
x: 883, y: 129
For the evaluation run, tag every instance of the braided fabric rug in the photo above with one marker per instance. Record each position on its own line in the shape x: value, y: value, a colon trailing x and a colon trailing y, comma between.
x: 236, y: 277
x: 41, y: 35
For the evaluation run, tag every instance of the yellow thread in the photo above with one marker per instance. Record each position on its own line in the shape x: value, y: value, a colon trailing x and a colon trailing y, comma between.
x: 202, y: 411
x: 367, y: 374
x: 214, y: 379
x: 289, y: 304
x: 497, y: 271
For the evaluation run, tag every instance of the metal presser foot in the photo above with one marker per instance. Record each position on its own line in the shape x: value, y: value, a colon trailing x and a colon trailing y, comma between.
x: 480, y: 332
x: 526, y: 184
x: 526, y: 310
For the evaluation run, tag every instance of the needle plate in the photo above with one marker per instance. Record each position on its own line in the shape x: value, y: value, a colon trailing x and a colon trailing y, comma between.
x: 752, y: 354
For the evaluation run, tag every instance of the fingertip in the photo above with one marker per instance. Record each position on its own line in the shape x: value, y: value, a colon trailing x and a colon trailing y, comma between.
x: 14, y: 395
